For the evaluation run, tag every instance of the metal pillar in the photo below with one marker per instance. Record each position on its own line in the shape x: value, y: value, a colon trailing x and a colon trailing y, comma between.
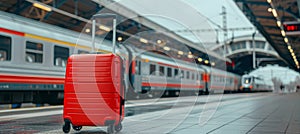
x: 224, y: 28
x: 114, y: 35
x: 254, y: 46
x: 93, y: 34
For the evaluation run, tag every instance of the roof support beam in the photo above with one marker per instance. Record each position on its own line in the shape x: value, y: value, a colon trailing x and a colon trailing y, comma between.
x: 57, y: 4
x: 123, y: 11
x: 249, y: 13
x: 23, y: 6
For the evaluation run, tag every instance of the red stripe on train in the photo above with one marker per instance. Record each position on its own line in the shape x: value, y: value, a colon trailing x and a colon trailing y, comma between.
x: 171, y: 85
x: 11, y: 32
x: 31, y: 79
x: 133, y: 67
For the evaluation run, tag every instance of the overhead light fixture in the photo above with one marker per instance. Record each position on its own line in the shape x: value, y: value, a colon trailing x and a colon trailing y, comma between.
x: 274, y: 13
x: 200, y: 59
x: 105, y: 28
x: 190, y: 56
x: 120, y: 38
x: 269, y: 1
x: 293, y: 54
x: 289, y: 47
x: 180, y: 52
x: 87, y: 30
x: 282, y: 32
x: 40, y: 6
x: 291, y: 50
x: 278, y: 23
x: 206, y: 61
x: 167, y: 48
x: 213, y: 64
x: 286, y: 40
x: 143, y: 40
x: 158, y: 41
x: 269, y: 9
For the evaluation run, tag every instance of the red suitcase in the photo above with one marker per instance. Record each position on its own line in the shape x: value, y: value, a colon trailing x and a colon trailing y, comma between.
x: 93, y: 94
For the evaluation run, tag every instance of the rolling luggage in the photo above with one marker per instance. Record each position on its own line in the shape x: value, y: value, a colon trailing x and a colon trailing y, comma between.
x: 93, y: 94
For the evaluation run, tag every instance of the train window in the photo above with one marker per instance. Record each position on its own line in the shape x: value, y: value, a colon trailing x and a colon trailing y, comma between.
x: 83, y: 52
x: 193, y: 76
x: 5, y: 48
x: 187, y: 75
x: 169, y: 72
x: 3, y: 55
x: 61, y: 55
x: 182, y: 74
x: 161, y: 70
x: 175, y: 72
x: 152, y: 69
x: 34, y: 52
x: 197, y: 76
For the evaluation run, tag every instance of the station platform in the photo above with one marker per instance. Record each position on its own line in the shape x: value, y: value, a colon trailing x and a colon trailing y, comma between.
x: 253, y: 113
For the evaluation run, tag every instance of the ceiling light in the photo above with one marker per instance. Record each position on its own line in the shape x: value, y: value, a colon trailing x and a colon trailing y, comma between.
x: 105, y: 28
x: 213, y: 64
x: 120, y: 38
x: 87, y: 30
x: 269, y: 9
x: 180, y: 52
x: 190, y: 56
x: 206, y: 61
x: 279, y: 23
x: 166, y: 48
x: 269, y: 1
x: 282, y: 32
x: 42, y: 7
x: 200, y: 59
x: 289, y: 47
x: 143, y: 40
x: 158, y: 41
x: 274, y: 13
x: 286, y: 40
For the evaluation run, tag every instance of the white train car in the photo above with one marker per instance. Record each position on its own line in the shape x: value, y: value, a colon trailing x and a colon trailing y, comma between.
x: 254, y: 83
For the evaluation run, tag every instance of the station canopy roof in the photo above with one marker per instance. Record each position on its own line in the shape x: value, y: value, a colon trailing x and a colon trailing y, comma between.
x: 270, y: 17
x: 76, y: 15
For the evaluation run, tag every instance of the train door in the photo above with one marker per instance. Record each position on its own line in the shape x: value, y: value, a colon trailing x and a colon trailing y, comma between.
x: 206, y: 80
x: 138, y: 77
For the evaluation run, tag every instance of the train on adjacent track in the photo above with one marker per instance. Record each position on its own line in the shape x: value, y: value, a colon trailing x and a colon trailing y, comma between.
x: 252, y: 83
x: 33, y: 56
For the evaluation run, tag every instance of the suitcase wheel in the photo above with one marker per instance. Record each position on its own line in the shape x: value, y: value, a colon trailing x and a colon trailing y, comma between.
x: 66, y: 127
x: 110, y: 129
x: 77, y: 128
x: 118, y: 127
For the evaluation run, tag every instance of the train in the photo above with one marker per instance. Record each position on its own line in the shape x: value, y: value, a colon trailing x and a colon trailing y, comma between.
x: 33, y: 57
x: 253, y: 83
